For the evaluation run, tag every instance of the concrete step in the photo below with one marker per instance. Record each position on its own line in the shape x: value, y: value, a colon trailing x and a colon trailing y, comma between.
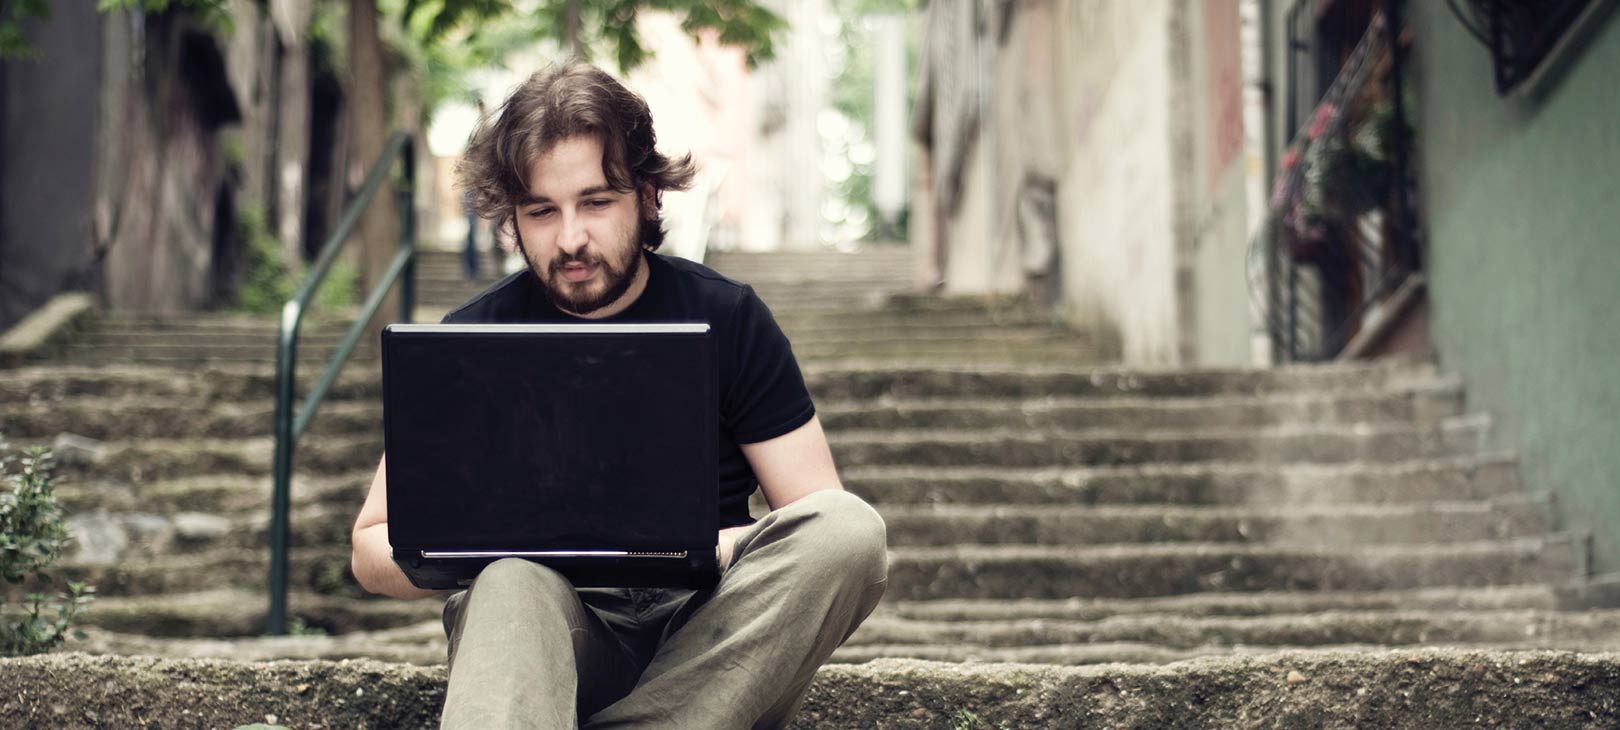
x: 1545, y: 596
x: 855, y: 326
x: 143, y: 416
x: 186, y: 355
x: 1399, y: 690
x: 1136, y: 653
x: 1413, y: 483
x: 830, y: 269
x: 135, y: 417
x: 970, y: 315
x: 1136, y: 571
x: 828, y: 381
x: 976, y: 352
x: 150, y: 460
x: 164, y: 343
x: 1424, y: 480
x: 1120, y: 571
x: 321, y: 569
x: 158, y: 415
x: 864, y: 382
x: 1460, y: 436
x: 205, y: 338
x: 788, y: 295
x: 220, y: 322
x: 790, y: 261
x: 240, y: 612
x: 1427, y: 403
x: 215, y: 381
x: 421, y: 643
x: 149, y: 535
x: 1324, y: 526
x: 215, y: 494
x: 326, y: 523
x: 1529, y: 628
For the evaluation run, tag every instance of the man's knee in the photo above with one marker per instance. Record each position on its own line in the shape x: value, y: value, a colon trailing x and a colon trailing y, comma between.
x: 519, y: 579
x: 850, y: 537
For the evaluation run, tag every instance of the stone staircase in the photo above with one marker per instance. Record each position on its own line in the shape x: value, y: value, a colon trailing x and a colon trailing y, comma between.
x: 1043, y: 508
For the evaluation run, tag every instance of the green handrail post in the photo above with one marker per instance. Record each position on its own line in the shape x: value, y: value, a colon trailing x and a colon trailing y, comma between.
x: 290, y: 423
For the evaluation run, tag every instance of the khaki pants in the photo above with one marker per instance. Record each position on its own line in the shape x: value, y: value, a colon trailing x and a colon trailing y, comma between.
x: 529, y: 651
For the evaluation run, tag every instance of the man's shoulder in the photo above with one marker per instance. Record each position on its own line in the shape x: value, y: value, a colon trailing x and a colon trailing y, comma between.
x: 695, y: 274
x: 696, y: 282
x: 502, y: 301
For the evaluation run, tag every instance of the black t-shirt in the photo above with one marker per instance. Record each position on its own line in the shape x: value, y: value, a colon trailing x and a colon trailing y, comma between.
x: 762, y: 393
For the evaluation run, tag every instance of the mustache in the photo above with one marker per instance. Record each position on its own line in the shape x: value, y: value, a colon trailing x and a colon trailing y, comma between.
x: 588, y: 259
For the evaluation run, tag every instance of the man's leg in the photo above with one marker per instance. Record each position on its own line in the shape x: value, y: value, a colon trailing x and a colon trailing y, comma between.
x: 525, y: 652
x: 803, y: 578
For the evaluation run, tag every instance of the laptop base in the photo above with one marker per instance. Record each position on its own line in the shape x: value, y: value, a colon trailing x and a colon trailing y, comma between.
x: 691, y: 570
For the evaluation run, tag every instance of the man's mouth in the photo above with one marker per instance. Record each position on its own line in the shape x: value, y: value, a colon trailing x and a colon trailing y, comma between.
x: 576, y: 272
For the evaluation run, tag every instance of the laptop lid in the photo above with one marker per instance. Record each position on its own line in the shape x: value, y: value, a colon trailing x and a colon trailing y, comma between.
x: 573, y: 437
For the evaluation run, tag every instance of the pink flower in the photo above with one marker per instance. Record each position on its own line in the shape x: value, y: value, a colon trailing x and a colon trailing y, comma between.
x: 1324, y: 114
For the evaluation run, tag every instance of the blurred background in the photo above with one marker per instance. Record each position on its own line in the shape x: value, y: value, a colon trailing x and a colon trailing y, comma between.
x: 1222, y: 182
x: 1191, y: 183
x: 1044, y: 200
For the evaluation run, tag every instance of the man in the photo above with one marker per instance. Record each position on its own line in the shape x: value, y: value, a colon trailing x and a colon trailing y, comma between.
x: 570, y: 166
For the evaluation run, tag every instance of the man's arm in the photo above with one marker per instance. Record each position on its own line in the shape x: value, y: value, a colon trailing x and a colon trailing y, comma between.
x: 372, y: 557
x: 789, y: 467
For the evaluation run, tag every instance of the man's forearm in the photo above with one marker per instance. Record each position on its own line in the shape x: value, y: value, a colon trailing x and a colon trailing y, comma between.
x: 374, y: 566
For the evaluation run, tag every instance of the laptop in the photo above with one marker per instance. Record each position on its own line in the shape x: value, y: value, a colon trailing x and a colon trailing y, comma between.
x: 588, y: 448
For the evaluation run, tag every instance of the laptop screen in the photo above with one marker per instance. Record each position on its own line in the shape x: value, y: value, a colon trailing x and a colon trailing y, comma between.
x: 555, y: 437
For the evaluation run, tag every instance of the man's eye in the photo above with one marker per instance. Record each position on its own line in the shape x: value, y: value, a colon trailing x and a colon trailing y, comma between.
x: 540, y: 212
x: 598, y: 203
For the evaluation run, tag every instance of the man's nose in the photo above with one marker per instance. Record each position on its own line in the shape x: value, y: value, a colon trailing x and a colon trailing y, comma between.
x: 573, y: 236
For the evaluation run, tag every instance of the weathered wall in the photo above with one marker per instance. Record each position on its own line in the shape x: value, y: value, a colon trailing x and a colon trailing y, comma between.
x: 172, y: 206
x: 1115, y: 199
x: 47, y: 138
x: 1518, y: 203
x: 1119, y: 121
x: 1218, y: 296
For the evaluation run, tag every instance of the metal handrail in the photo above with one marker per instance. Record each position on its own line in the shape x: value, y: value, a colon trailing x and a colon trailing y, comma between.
x: 289, y: 425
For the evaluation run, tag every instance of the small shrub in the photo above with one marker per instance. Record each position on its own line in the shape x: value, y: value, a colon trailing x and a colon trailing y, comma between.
x: 268, y: 282
x: 32, y: 538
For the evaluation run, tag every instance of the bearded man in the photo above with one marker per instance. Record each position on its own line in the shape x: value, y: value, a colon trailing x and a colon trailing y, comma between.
x: 569, y: 167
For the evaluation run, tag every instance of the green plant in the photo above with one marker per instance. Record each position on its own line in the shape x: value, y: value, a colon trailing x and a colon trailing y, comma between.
x: 268, y: 282
x: 299, y: 627
x: 965, y: 720
x: 32, y: 537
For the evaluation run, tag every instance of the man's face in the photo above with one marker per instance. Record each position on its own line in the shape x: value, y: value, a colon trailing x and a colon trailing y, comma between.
x: 580, y: 236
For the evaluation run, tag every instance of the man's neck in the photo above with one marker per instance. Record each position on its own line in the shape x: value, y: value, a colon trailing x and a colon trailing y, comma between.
x: 638, y: 285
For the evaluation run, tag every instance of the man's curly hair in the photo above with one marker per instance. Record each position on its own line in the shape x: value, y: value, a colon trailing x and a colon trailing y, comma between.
x: 554, y: 104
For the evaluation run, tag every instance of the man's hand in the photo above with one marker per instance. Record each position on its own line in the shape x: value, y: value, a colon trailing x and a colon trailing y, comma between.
x: 728, y: 543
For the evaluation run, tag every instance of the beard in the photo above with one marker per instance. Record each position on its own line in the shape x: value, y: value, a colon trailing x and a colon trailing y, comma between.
x: 616, y: 277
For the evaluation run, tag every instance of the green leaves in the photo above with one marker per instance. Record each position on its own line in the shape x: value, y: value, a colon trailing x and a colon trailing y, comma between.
x: 13, y: 13
x: 32, y: 538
